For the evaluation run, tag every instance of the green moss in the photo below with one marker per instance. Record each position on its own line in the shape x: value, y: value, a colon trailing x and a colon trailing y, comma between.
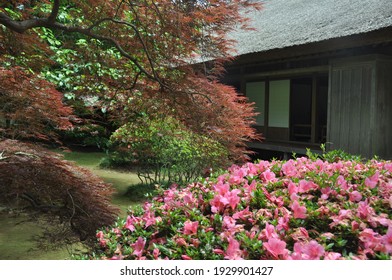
x: 17, y: 240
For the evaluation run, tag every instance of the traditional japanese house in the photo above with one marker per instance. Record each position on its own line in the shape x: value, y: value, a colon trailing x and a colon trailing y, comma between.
x: 318, y: 72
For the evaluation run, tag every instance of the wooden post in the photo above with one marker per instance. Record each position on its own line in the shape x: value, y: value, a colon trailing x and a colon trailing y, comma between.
x: 314, y: 125
x: 266, y: 108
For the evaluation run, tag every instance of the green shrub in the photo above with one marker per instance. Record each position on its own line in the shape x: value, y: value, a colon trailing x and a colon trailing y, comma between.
x: 165, y: 151
x: 332, y: 156
x: 87, y: 135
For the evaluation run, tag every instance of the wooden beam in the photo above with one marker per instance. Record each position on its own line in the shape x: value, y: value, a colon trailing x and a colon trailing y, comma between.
x: 283, y: 73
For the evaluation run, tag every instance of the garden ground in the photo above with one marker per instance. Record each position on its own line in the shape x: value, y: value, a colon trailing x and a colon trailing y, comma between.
x: 18, y: 230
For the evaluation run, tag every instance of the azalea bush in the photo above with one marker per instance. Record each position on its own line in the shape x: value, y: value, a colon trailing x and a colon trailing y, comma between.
x: 302, y: 209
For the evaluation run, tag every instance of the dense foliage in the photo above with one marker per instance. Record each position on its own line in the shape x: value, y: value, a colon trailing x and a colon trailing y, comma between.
x: 30, y: 107
x: 136, y: 57
x: 165, y: 151
x: 301, y: 209
x: 42, y: 183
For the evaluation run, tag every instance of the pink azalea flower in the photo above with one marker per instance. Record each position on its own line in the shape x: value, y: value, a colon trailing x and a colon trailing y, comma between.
x: 195, y: 242
x: 243, y: 214
x: 117, y: 231
x: 328, y: 235
x: 364, y: 210
x: 296, y: 256
x: 369, y: 238
x: 250, y: 188
x: 305, y: 186
x: 149, y: 219
x: 100, y: 234
x: 289, y: 169
x: 131, y: 221
x: 313, y: 250
x: 387, y: 240
x: 300, y: 234
x: 169, y: 195
x: 138, y: 247
x: 262, y: 165
x: 268, y: 232
x: 186, y: 257
x: 117, y: 257
x: 275, y: 247
x: 293, y: 189
x: 268, y: 176
x: 232, y: 198
x: 388, y: 166
x: 355, y: 196
x: 190, y: 227
x: 294, y: 197
x: 304, y: 232
x: 354, y: 225
x: 189, y: 199
x: 323, y: 210
x: 345, y: 214
x: 299, y: 211
x: 181, y: 241
x: 372, y: 181
x: 342, y: 183
x: 332, y: 256
x: 298, y: 252
x: 233, y: 251
x: 325, y: 193
x: 221, y: 188
x: 278, y: 201
x: 252, y: 169
x: 102, y: 242
x: 218, y: 251
x: 283, y: 223
x: 218, y: 204
x: 237, y: 176
x: 156, y: 253
x: 228, y: 222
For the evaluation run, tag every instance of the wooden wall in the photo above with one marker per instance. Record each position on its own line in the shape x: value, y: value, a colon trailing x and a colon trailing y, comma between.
x: 359, y: 106
x: 383, y: 112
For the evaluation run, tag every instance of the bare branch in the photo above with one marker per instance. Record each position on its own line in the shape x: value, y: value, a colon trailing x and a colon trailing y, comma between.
x: 21, y: 26
x: 55, y: 11
x: 150, y: 60
x: 134, y: 81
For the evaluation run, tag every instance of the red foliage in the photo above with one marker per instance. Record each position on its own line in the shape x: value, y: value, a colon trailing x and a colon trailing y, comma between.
x: 217, y: 110
x: 162, y: 44
x: 30, y: 107
x: 40, y: 180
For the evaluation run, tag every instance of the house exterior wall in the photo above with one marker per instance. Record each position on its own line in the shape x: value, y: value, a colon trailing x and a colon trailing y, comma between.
x: 359, y: 106
x: 383, y: 110
x: 359, y: 117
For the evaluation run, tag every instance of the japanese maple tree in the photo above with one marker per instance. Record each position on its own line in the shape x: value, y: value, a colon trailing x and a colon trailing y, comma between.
x: 169, y: 53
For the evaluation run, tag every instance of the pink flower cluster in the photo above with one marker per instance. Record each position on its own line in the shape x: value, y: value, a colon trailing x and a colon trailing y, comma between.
x: 296, y: 210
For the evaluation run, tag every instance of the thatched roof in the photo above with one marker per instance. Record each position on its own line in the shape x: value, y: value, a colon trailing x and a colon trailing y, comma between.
x: 286, y: 23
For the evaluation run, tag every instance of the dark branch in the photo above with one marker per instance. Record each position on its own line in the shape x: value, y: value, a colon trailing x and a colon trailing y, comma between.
x: 22, y: 26
x: 51, y: 23
x: 55, y: 11
x: 134, y: 28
